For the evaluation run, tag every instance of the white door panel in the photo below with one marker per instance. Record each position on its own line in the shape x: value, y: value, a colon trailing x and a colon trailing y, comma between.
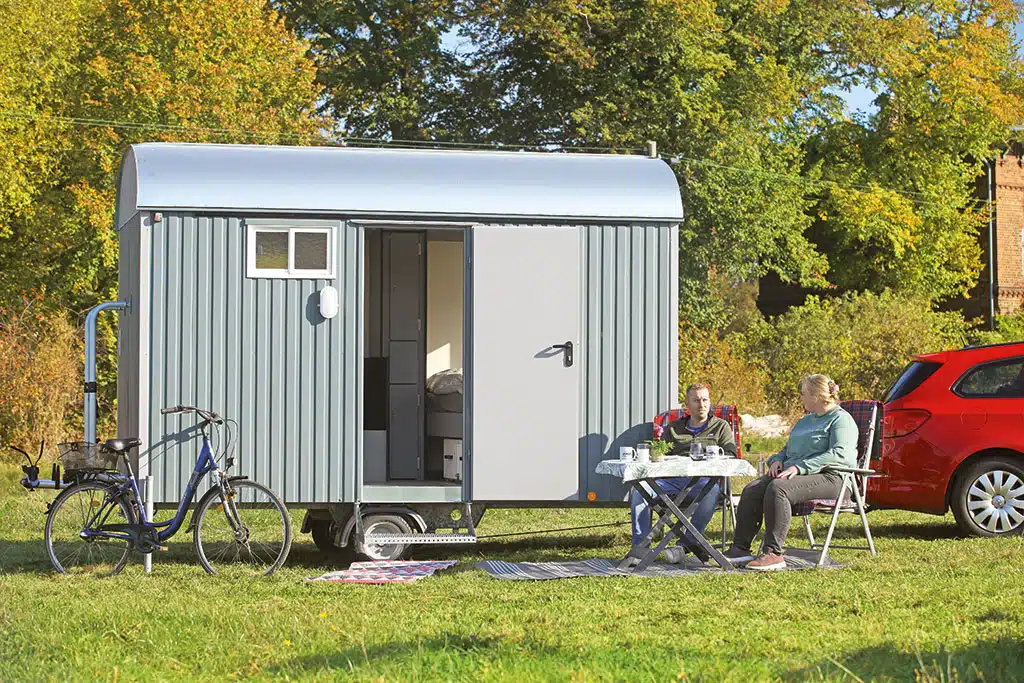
x: 525, y: 395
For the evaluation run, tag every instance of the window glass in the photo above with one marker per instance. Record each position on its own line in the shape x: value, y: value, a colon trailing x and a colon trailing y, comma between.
x: 913, y: 376
x: 271, y: 250
x: 1005, y: 379
x: 310, y: 250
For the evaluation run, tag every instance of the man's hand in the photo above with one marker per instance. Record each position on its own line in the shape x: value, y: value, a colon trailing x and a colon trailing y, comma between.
x: 774, y: 468
x: 789, y: 472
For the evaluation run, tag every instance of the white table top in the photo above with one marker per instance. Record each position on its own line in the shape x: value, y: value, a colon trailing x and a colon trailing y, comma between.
x: 676, y: 466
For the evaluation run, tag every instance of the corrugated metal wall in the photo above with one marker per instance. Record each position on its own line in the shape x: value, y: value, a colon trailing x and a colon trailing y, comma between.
x: 251, y: 349
x: 128, y: 329
x: 630, y: 332
x: 257, y: 351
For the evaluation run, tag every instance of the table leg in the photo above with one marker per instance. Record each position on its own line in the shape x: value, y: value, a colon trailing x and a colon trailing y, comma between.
x: 684, y: 520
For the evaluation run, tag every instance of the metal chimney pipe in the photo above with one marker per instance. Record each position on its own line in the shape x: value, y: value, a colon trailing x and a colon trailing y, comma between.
x: 90, y: 365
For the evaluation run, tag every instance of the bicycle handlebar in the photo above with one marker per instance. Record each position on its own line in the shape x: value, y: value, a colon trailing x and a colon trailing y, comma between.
x: 207, y: 415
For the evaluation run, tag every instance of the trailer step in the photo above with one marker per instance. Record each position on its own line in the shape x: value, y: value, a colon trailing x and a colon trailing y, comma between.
x: 408, y: 539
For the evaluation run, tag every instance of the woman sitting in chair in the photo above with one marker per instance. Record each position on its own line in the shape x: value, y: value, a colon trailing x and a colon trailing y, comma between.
x: 826, y: 436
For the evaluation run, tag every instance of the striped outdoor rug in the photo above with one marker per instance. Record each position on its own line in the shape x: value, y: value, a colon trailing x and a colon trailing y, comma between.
x: 796, y: 559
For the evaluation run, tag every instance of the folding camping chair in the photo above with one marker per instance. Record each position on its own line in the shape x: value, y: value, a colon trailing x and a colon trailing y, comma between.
x: 853, y: 492
x: 730, y: 414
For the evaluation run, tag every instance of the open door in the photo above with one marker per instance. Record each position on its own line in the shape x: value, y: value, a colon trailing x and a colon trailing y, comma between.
x: 524, y: 408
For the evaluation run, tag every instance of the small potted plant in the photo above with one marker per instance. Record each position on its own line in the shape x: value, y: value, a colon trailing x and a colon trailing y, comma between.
x: 659, y: 449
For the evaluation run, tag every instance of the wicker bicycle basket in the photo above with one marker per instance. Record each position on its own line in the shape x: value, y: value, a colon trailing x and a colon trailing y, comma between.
x: 82, y: 456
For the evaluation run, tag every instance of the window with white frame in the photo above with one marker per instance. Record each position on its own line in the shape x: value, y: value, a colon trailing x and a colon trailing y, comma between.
x: 290, y: 251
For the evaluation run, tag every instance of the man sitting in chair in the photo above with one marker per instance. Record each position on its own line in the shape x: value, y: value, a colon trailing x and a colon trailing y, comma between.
x: 700, y: 425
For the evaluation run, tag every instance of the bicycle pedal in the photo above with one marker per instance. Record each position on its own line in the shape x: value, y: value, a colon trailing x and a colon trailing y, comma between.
x: 162, y: 548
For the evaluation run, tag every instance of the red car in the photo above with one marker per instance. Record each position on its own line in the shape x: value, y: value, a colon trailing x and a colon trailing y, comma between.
x: 954, y: 438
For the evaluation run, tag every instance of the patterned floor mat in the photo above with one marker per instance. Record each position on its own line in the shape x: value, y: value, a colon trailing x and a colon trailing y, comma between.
x: 385, y: 571
x: 796, y: 559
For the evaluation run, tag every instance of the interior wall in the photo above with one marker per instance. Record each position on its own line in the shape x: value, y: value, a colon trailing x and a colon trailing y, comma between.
x: 445, y: 268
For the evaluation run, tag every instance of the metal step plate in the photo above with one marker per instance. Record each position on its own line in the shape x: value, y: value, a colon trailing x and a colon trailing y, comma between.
x: 407, y: 539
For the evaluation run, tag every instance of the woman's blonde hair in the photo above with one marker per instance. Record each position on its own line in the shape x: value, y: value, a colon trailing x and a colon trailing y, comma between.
x: 820, y: 386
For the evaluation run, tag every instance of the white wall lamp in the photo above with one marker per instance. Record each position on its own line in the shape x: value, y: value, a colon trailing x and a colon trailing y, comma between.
x: 328, y: 302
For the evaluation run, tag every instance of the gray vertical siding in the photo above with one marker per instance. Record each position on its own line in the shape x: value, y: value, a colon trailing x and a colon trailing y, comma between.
x: 256, y: 351
x: 630, y: 341
x: 129, y: 285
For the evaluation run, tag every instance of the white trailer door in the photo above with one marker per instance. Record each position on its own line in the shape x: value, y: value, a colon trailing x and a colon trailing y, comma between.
x: 524, y: 388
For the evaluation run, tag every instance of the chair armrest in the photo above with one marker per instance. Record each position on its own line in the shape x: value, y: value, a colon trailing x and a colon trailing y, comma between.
x: 853, y: 470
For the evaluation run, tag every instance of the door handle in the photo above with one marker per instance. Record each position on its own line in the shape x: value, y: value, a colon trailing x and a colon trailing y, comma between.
x: 567, y: 348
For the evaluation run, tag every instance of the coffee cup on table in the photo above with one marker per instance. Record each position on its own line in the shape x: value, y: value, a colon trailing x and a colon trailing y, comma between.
x: 627, y: 453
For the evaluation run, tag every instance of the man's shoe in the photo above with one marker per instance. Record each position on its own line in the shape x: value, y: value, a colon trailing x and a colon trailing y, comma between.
x: 633, y: 561
x: 768, y: 561
x: 737, y: 554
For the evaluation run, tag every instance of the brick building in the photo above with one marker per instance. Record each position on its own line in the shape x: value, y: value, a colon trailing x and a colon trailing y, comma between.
x: 1009, y: 231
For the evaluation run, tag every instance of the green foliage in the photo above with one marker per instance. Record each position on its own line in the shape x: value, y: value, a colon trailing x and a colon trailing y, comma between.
x: 1009, y: 328
x: 182, y: 70
x: 861, y: 341
x: 40, y: 375
x: 725, y: 364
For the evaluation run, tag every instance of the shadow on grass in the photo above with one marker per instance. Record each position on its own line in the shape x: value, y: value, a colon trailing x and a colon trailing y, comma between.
x: 29, y: 557
x: 996, y: 660
x: 938, y: 531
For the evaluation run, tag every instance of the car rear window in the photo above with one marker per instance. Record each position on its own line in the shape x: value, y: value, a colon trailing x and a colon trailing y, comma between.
x: 911, y: 378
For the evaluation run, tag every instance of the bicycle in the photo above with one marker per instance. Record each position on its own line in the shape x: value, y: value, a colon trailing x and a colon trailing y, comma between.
x: 239, y: 526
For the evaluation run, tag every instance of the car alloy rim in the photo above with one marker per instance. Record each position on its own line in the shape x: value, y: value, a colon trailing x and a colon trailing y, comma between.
x: 995, y: 501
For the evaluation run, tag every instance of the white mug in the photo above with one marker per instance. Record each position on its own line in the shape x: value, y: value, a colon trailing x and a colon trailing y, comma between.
x: 627, y: 453
x: 714, y: 451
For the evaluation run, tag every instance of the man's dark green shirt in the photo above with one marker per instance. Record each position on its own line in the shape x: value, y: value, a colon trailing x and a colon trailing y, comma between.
x: 717, y: 431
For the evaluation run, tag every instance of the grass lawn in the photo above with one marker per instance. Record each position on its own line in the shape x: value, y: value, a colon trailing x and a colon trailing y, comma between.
x: 931, y: 605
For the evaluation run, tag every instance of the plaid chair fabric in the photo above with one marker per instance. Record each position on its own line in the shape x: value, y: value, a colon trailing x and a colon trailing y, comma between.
x: 729, y: 413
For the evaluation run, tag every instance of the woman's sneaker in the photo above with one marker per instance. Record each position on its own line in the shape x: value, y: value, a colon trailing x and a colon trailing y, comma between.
x: 768, y: 561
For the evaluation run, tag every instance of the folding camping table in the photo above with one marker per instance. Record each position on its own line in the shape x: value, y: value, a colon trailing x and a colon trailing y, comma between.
x: 669, y: 510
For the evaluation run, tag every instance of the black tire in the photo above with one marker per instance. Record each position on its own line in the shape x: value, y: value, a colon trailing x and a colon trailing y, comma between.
x: 322, y: 531
x: 257, y: 548
x: 383, y: 524
x: 69, y: 513
x: 988, y: 497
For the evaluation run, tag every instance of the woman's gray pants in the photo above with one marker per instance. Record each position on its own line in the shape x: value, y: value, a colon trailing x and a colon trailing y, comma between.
x: 772, y: 500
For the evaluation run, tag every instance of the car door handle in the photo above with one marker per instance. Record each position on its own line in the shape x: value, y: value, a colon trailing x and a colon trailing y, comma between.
x: 567, y: 357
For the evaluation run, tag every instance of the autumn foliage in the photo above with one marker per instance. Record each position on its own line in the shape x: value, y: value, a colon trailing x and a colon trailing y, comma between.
x: 40, y: 376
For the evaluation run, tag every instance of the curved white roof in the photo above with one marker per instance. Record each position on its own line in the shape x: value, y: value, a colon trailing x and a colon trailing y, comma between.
x: 392, y: 182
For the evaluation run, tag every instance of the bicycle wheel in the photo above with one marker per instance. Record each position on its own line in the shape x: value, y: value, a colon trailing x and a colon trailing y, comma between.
x: 70, y: 513
x: 248, y: 535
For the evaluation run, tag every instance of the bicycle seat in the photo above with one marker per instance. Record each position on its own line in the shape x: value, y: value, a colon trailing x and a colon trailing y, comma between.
x: 122, y: 445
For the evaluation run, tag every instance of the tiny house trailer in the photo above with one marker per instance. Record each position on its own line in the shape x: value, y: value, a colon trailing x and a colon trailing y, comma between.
x: 404, y: 337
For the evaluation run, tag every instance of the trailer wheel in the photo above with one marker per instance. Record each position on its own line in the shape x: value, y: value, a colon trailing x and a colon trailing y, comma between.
x: 384, y: 524
x: 323, y: 532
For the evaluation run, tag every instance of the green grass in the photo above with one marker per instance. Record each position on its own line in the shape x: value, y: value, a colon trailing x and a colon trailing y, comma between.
x: 931, y: 605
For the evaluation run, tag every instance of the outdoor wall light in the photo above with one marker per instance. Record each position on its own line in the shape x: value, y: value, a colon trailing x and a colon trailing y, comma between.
x: 328, y: 302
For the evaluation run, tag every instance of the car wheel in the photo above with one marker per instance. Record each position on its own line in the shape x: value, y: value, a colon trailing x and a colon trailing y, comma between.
x: 384, y: 525
x: 988, y: 499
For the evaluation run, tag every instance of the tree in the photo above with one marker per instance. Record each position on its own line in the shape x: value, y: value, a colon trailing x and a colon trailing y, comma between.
x: 385, y: 71
x: 117, y: 72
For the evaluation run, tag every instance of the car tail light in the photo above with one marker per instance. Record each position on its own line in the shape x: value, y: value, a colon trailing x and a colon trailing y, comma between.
x: 903, y: 422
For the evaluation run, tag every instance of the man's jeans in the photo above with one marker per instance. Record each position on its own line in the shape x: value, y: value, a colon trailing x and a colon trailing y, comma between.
x: 705, y: 509
x: 772, y: 500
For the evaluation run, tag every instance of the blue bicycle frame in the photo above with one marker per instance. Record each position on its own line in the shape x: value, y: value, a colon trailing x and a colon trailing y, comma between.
x: 205, y: 464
